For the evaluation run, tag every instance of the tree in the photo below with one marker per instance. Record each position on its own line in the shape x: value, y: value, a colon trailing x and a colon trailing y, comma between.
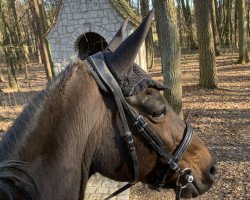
x: 179, y: 14
x: 1, y: 76
x: 8, y: 50
x: 243, y: 54
x: 188, y: 19
x: 40, y: 30
x: 205, y: 42
x: 166, y: 23
x: 214, y: 28
x: 236, y: 23
x: 17, y: 37
x: 219, y: 18
x: 149, y: 39
x: 248, y: 18
x: 22, y: 34
x: 228, y: 25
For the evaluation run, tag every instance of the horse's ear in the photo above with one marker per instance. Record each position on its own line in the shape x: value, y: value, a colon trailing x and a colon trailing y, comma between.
x: 124, y: 56
x: 118, y: 39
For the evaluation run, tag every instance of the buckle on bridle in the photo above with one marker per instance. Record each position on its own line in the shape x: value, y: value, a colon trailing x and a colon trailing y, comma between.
x: 174, y: 166
x: 140, y: 123
x: 130, y: 141
x: 184, y: 178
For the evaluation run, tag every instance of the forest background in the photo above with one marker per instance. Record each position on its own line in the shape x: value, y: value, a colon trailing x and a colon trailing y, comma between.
x: 198, y: 47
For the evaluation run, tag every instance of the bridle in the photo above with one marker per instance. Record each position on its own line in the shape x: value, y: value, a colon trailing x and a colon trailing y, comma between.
x: 107, y: 82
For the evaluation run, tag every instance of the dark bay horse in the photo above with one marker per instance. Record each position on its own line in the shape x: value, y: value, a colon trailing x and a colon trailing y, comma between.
x: 72, y: 130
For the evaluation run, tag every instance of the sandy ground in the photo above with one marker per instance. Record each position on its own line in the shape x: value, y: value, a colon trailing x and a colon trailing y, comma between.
x: 220, y: 117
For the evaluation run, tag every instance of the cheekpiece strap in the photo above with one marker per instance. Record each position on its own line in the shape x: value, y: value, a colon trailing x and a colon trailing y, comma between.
x: 98, y: 64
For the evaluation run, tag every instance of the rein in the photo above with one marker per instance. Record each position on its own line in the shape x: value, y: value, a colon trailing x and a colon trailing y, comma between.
x: 105, y: 79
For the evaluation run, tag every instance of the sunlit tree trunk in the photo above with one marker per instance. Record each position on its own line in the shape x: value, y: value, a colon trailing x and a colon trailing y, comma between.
x: 40, y: 30
x: 149, y: 39
x: 248, y: 19
x: 13, y: 34
x: 205, y: 42
x: 188, y: 19
x: 31, y: 32
x: 28, y: 36
x: 18, y: 38
x: 166, y: 21
x: 13, y: 83
x: 214, y: 28
x: 180, y: 22
x: 219, y: 18
x: 236, y: 23
x: 243, y: 54
x: 1, y: 76
x: 36, y: 40
x: 228, y: 22
x: 8, y: 52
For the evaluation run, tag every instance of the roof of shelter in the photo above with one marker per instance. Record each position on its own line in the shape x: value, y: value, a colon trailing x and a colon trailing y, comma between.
x: 122, y: 7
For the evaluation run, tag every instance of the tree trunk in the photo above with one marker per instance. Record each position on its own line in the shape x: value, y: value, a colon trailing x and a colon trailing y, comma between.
x: 248, y: 19
x: 8, y: 52
x: 228, y: 22
x: 36, y: 40
x: 205, y: 42
x: 219, y: 18
x: 31, y: 32
x: 149, y: 39
x: 166, y: 21
x: 236, y: 23
x: 188, y: 20
x: 214, y: 28
x: 2, y: 80
x: 243, y: 54
x: 13, y: 83
x: 231, y: 27
x: 180, y: 22
x: 40, y: 30
x: 28, y: 35
x: 18, y: 38
x: 13, y: 33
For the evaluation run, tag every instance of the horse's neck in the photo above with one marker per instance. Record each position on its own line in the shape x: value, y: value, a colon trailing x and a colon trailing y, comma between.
x: 53, y: 114
x: 54, y: 129
x: 23, y: 129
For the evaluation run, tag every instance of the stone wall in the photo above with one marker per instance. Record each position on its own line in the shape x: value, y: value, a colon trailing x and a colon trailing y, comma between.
x: 77, y: 17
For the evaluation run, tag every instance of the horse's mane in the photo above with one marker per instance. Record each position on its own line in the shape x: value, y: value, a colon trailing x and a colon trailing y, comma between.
x: 10, y: 176
x: 21, y: 126
x: 26, y: 122
x: 30, y: 116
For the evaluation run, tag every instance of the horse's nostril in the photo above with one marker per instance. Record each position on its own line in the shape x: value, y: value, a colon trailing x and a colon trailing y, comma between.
x: 213, y: 170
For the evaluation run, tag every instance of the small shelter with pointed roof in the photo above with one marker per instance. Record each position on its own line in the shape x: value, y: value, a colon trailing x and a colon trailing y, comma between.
x: 84, y: 27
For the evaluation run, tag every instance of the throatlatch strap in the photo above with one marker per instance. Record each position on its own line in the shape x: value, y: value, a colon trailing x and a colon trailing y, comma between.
x: 106, y: 76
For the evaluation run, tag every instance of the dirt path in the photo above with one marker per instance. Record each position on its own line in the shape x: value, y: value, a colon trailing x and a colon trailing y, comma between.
x: 220, y: 117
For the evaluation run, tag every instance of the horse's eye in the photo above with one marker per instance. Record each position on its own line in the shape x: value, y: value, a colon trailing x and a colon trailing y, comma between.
x: 159, y: 114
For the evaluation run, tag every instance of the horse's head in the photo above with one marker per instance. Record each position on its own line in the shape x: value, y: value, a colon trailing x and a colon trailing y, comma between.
x: 143, y: 95
x: 171, y: 130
